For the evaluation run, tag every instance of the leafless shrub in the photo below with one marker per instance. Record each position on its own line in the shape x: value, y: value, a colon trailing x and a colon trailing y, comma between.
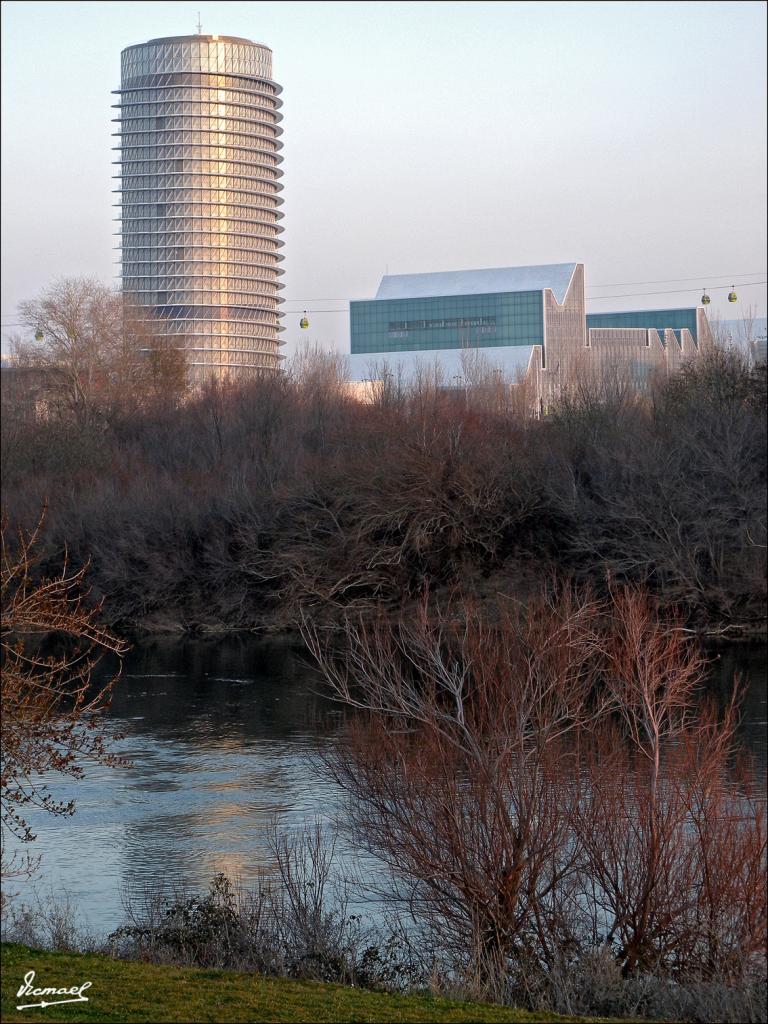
x: 48, y: 921
x: 547, y: 783
x: 50, y: 711
x: 296, y: 923
x: 246, y: 504
x: 461, y: 768
x: 593, y: 985
x: 675, y: 849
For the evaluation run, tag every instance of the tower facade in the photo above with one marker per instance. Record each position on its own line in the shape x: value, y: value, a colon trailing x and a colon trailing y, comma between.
x: 199, y: 200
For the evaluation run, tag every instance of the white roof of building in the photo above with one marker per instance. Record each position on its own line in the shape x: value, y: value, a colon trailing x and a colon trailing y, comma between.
x: 478, y: 282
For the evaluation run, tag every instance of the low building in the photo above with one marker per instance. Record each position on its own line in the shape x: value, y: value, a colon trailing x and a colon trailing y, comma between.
x: 758, y: 351
x: 528, y: 324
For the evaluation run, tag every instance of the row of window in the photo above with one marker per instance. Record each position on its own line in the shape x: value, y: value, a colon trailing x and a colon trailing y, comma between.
x: 194, y: 226
x: 263, y: 353
x: 215, y: 153
x: 165, y: 274
x: 135, y: 278
x: 244, y: 176
x: 232, y: 138
x: 187, y: 46
x: 133, y: 151
x: 129, y: 168
x: 264, y: 197
x: 257, y: 369
x: 144, y: 257
x: 226, y: 251
x: 162, y: 238
x: 202, y: 312
x: 203, y: 254
x: 203, y: 184
x: 452, y: 305
x: 192, y: 341
x: 442, y: 323
x: 218, y: 243
x: 382, y: 325
x: 196, y: 122
x: 230, y: 356
x: 220, y: 216
x: 268, y: 326
x: 207, y: 297
x: 152, y: 61
x: 154, y: 99
x: 181, y: 289
x: 150, y: 253
x: 200, y: 92
x: 193, y: 48
x: 466, y: 333
x: 653, y: 319
x: 364, y: 346
x: 208, y: 105
x: 168, y: 71
x: 384, y: 317
x: 186, y: 85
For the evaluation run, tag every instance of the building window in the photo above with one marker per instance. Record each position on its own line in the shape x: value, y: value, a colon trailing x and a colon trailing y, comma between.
x: 400, y: 328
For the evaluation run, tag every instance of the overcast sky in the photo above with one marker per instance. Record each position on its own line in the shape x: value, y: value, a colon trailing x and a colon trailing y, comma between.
x: 428, y: 136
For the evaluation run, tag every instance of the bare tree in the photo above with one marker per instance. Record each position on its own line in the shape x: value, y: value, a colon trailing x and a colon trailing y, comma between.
x: 544, y: 782
x: 658, y: 811
x: 462, y: 768
x: 50, y: 704
x: 98, y: 351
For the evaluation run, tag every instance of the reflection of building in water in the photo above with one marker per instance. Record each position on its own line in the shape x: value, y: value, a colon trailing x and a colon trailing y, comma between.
x: 199, y: 190
x: 530, y: 323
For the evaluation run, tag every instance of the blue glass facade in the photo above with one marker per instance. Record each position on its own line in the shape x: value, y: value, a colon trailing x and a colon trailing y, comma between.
x: 447, y: 322
x: 653, y: 319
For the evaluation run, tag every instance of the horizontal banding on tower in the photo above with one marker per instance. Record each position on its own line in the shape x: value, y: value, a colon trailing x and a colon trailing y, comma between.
x: 199, y: 196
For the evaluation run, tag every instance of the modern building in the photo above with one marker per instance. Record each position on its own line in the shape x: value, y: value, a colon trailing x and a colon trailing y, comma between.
x: 528, y: 323
x: 758, y: 351
x: 200, y: 197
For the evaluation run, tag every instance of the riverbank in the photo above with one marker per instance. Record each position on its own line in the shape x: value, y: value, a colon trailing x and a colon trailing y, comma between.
x: 135, y: 992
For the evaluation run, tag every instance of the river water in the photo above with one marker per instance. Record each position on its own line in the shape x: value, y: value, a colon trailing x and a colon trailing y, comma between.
x: 223, y: 737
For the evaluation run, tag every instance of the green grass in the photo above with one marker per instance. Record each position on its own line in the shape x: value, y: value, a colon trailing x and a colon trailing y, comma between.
x: 126, y: 992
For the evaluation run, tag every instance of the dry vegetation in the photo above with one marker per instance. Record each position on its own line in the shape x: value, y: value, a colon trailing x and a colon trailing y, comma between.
x: 50, y: 641
x: 552, y: 792
x: 245, y: 506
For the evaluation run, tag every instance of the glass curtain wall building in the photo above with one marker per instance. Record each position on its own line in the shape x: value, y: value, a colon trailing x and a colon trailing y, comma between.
x: 199, y: 172
x: 526, y: 324
x: 437, y: 318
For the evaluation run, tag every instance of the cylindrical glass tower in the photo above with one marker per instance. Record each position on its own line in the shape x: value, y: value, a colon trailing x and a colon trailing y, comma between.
x: 199, y: 190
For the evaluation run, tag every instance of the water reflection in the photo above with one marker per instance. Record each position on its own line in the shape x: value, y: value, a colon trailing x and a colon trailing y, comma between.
x: 223, y: 737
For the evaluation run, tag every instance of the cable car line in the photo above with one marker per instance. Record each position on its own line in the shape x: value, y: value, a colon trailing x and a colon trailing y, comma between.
x: 705, y: 298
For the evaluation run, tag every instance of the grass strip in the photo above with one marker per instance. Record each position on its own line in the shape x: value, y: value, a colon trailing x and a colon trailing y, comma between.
x: 125, y: 992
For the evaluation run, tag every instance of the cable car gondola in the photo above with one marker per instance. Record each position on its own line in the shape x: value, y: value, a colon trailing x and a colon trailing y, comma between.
x: 732, y: 294
x: 304, y: 322
x: 705, y: 299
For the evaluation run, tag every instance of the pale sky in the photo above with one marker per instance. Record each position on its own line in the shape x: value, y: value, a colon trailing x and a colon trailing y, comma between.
x: 428, y: 136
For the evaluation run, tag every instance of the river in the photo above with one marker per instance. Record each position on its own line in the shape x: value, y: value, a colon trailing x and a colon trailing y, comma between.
x: 223, y: 737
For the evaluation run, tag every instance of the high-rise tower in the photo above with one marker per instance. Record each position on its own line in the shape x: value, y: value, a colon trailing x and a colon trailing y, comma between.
x: 199, y: 190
